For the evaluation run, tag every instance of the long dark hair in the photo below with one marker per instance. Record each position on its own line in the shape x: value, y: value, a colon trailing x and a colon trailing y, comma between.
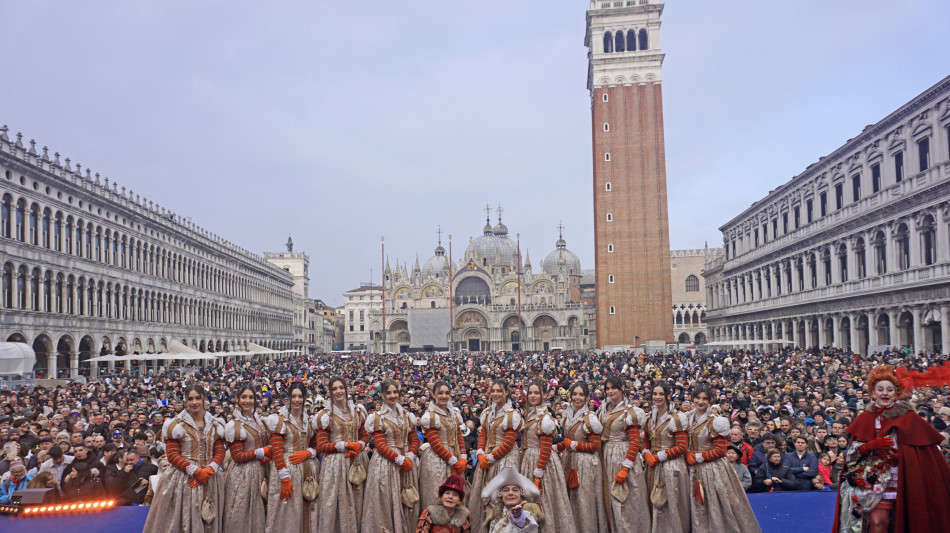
x: 194, y: 387
x: 704, y: 388
x: 666, y: 391
x: 584, y: 387
x: 615, y: 381
x: 240, y: 390
x: 542, y: 386
x: 438, y: 385
x: 385, y: 387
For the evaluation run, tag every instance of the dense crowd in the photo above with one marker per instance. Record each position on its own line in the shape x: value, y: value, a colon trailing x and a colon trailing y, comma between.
x: 788, y: 409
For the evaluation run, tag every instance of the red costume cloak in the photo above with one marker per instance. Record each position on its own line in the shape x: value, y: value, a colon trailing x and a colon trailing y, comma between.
x: 923, y: 476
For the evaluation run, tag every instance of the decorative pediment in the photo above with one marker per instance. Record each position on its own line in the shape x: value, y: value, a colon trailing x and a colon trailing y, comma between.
x: 897, y: 144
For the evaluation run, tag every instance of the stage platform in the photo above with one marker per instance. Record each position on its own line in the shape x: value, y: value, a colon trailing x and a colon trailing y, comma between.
x: 793, y: 512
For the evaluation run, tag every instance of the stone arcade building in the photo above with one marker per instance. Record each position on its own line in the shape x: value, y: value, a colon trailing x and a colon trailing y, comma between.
x: 89, y: 268
x: 854, y: 251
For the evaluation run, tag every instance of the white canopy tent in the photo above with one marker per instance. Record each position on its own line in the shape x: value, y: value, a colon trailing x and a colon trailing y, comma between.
x: 749, y: 343
x: 16, y: 358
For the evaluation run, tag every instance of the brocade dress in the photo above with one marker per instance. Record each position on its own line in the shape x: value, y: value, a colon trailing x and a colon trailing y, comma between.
x: 583, y: 428
x: 340, y: 505
x: 668, y: 438
x: 445, y: 448
x: 395, y: 437
x: 289, y: 435
x: 536, y: 441
x: 725, y: 506
x: 244, y: 508
x: 497, y: 436
x: 177, y: 505
x: 621, y: 445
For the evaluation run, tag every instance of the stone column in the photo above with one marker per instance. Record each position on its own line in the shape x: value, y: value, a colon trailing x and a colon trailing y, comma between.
x: 894, y: 316
x: 872, y: 329
x: 821, y: 332
x: 919, y: 343
x: 943, y: 252
x: 73, y: 364
x: 51, y: 364
x: 913, y: 238
x: 853, y: 331
x: 835, y: 331
x: 796, y: 342
x: 944, y: 328
x: 751, y: 282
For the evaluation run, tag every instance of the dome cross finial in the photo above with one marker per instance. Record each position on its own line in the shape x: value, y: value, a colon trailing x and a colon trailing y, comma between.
x: 560, y: 230
x: 500, y: 211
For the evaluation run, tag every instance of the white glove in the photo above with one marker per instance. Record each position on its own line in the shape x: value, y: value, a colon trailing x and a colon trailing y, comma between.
x: 191, y: 469
x: 661, y: 456
x: 453, y: 460
x: 400, y: 459
x: 538, y: 473
x: 260, y: 454
x: 283, y: 473
x: 627, y: 463
x: 340, y: 446
x: 699, y: 458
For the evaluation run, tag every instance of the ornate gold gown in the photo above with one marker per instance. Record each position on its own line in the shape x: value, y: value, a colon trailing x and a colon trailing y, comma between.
x: 176, y: 506
x: 244, y: 509
x: 384, y: 510
x: 294, y: 514
x: 340, y: 505
x: 495, y: 422
x: 537, y: 461
x: 725, y: 506
x: 670, y: 473
x: 632, y: 515
x: 440, y: 453
x: 587, y: 499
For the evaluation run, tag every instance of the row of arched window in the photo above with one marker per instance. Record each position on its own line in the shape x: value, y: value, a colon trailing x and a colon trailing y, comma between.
x: 28, y: 222
x: 833, y: 264
x: 626, y: 41
x: 694, y: 319
x: 32, y: 289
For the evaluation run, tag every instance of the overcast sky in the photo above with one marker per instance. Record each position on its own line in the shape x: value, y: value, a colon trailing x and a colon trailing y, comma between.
x: 341, y: 122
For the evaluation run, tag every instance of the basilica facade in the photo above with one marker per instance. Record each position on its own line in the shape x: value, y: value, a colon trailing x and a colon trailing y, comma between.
x: 474, y: 303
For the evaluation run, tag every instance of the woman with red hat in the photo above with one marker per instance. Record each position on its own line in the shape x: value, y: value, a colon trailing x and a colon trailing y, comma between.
x: 895, y: 478
x: 448, y: 515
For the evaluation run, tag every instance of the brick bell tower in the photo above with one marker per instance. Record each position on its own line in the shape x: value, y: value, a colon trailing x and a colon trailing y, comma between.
x: 631, y: 220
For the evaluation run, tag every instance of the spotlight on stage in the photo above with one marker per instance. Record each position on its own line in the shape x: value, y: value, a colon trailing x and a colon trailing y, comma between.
x: 37, y: 502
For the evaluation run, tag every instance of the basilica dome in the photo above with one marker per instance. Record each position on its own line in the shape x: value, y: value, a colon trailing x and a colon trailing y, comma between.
x: 561, y: 258
x: 437, y: 264
x: 493, y: 248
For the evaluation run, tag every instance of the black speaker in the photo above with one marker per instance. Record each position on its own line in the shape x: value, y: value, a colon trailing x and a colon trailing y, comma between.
x: 31, y: 496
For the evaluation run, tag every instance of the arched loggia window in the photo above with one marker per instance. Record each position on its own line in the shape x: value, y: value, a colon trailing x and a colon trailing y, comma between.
x: 620, y: 44
x: 608, y: 42
x: 631, y: 40
x: 644, y: 43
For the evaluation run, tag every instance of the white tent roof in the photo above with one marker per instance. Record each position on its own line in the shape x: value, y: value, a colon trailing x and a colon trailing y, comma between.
x: 749, y: 343
x: 175, y: 347
x: 16, y: 358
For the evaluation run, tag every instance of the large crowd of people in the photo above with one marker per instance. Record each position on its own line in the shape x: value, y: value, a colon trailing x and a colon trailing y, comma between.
x: 573, y: 441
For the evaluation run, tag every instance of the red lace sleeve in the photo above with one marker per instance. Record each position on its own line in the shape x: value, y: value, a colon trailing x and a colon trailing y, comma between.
x: 719, y: 449
x: 383, y: 449
x: 277, y: 450
x: 461, y: 442
x: 173, y: 453
x: 545, y: 454
x: 363, y: 435
x: 435, y: 442
x: 414, y: 441
x: 682, y: 441
x: 238, y: 455
x: 482, y: 438
x: 510, y: 437
x: 323, y: 444
x: 633, y: 437
x: 217, y: 452
x: 592, y: 445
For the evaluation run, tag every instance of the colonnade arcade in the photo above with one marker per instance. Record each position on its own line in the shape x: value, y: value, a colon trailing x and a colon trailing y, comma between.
x: 923, y: 328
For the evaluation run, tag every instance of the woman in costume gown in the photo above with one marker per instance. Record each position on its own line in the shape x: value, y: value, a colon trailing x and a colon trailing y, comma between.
x: 288, y: 508
x: 245, y: 434
x: 190, y: 488
x: 445, y: 454
x: 580, y: 459
x: 621, y: 457
x: 717, y: 500
x: 391, y: 501
x: 497, y: 435
x: 536, y: 442
x: 667, y: 478
x: 343, y: 441
x: 895, y: 478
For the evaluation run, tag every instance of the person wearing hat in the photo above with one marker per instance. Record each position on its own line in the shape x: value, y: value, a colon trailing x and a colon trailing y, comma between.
x: 448, y: 515
x: 18, y: 480
x: 895, y: 478
x: 514, y: 498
